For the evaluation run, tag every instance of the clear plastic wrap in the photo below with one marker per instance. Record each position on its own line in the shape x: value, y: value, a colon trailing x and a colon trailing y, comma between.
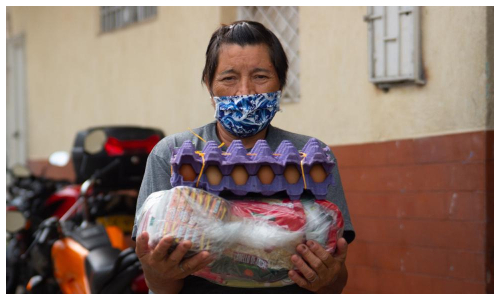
x: 253, y: 240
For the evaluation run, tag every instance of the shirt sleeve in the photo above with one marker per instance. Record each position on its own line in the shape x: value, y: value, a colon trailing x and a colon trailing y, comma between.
x: 156, y: 178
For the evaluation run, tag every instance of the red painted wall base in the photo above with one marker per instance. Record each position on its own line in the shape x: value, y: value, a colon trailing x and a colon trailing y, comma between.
x: 423, y: 214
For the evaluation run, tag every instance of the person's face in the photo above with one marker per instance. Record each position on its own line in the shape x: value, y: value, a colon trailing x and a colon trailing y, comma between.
x: 244, y: 71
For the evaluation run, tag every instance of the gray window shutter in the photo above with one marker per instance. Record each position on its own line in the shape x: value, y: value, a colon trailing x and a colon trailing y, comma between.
x: 394, y: 50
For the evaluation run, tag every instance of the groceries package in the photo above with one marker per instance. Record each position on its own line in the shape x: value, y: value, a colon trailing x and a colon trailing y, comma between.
x: 253, y: 240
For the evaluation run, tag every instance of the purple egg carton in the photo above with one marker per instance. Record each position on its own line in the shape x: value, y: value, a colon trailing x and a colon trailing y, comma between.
x: 260, y: 155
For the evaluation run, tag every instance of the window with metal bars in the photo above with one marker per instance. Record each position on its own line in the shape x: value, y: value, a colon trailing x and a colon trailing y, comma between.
x: 114, y: 17
x: 284, y: 23
x: 394, y: 48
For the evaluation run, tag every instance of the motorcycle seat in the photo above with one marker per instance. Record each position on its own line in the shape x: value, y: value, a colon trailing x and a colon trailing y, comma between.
x: 105, y: 263
x: 99, y: 266
x: 90, y: 237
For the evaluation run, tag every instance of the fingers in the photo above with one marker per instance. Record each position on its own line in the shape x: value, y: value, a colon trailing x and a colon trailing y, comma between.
x: 320, y: 252
x: 197, y: 262
x: 141, y: 246
x: 312, y: 259
x: 341, y: 251
x: 161, y: 250
x: 308, y: 273
x: 204, y: 263
x: 319, y: 268
x: 178, y: 254
x: 299, y: 280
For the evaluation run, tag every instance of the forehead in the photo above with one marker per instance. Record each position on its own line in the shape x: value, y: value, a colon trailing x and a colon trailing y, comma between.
x: 236, y: 56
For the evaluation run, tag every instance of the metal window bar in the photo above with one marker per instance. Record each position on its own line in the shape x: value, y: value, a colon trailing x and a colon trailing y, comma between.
x: 384, y: 44
x: 283, y: 21
x: 114, y: 17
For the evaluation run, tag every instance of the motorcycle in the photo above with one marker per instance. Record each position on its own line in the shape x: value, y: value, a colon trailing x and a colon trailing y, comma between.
x: 31, y: 199
x: 78, y: 253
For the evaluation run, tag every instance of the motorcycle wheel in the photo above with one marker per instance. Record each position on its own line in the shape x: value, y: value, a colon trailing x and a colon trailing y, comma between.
x: 12, y: 266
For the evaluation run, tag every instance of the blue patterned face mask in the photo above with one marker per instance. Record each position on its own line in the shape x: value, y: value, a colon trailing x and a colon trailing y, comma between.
x: 246, y: 115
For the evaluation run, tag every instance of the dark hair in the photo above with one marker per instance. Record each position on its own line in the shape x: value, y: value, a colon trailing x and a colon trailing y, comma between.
x: 244, y: 33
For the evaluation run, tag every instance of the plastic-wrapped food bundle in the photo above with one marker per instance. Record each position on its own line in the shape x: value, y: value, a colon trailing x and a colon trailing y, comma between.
x: 253, y: 239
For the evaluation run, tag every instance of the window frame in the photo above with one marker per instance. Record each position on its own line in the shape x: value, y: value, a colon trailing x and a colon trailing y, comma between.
x: 417, y: 76
x: 111, y: 17
x: 289, y: 95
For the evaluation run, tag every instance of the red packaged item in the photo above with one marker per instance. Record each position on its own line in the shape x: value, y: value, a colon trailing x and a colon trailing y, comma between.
x: 284, y: 213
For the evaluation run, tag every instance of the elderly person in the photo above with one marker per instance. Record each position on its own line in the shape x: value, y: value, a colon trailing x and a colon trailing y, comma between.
x: 242, y: 59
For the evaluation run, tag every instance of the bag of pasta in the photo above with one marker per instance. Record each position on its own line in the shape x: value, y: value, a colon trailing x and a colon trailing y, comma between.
x: 253, y: 240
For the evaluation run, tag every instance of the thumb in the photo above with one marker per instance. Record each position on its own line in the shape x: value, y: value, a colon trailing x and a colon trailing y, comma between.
x: 341, y: 251
x: 141, y: 246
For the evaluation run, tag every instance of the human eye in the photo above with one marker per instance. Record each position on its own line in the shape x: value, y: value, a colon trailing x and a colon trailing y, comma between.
x: 261, y: 77
x: 228, y: 78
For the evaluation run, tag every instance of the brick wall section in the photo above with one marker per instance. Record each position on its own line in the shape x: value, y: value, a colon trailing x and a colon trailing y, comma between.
x: 40, y: 166
x: 423, y: 214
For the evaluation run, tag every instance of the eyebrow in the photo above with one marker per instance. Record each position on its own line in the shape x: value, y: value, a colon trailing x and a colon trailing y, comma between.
x: 232, y: 71
x: 260, y: 70
x: 227, y: 72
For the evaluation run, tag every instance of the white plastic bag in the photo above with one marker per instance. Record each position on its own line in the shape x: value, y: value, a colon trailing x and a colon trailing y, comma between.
x: 253, y: 240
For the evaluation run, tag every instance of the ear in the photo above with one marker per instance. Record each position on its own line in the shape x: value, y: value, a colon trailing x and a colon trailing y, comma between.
x: 205, y: 81
x: 210, y: 92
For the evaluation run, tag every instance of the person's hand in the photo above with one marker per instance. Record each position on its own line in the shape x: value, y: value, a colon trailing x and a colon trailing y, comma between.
x: 321, y: 271
x: 165, y: 273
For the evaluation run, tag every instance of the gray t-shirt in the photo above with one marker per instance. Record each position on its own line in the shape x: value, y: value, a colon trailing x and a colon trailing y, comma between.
x: 157, y: 178
x: 157, y: 175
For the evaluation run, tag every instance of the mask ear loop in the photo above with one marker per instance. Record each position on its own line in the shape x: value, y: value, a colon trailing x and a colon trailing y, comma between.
x: 202, y: 155
x: 202, y: 166
x: 196, y: 135
x: 302, y: 167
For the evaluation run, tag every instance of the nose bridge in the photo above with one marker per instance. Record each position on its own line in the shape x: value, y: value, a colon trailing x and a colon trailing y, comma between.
x: 245, y: 86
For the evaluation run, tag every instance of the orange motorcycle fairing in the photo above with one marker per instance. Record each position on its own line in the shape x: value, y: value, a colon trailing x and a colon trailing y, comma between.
x: 69, y: 266
x: 116, y: 237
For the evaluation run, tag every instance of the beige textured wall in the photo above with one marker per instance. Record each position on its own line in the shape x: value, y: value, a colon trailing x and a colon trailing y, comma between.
x: 340, y: 106
x: 149, y: 74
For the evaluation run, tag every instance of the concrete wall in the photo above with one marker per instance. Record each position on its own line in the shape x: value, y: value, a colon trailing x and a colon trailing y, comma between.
x: 149, y: 74
x: 335, y: 87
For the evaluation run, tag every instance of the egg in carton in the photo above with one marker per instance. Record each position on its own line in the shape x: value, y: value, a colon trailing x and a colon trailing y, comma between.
x: 260, y: 171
